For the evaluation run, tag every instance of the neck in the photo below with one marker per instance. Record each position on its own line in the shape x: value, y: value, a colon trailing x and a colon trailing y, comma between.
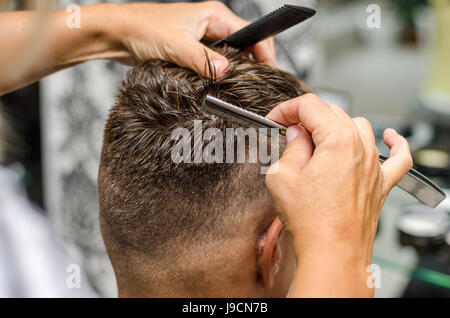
x: 161, y: 291
x: 187, y: 286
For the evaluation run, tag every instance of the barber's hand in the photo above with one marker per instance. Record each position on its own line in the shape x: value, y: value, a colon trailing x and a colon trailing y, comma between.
x: 128, y: 33
x: 172, y: 32
x: 330, y: 200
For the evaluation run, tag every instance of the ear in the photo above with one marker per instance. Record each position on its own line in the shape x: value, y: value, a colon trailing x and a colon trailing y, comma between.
x: 269, y: 252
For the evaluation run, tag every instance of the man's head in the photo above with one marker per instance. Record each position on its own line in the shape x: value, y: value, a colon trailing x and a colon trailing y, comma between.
x: 190, y: 229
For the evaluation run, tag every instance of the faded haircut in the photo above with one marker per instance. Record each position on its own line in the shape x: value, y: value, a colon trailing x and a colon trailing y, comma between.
x: 150, y: 205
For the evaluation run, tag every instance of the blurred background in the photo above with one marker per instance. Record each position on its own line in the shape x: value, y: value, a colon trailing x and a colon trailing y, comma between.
x: 384, y: 60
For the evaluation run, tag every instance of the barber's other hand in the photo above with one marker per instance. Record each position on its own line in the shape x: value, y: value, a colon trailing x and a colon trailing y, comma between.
x: 172, y: 32
x: 330, y: 200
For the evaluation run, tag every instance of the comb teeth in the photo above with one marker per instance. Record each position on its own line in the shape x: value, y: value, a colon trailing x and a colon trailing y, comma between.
x: 273, y: 23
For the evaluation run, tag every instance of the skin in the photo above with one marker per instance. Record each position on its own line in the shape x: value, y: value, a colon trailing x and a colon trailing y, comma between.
x: 264, y: 269
x: 140, y: 31
x: 330, y: 224
x: 333, y: 220
x: 323, y: 244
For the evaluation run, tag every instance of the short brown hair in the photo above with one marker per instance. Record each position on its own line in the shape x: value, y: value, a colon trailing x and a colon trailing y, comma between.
x: 154, y: 207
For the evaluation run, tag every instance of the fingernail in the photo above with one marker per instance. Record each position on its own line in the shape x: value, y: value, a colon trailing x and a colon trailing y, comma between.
x: 292, y: 132
x: 393, y: 130
x: 223, y: 74
x: 219, y: 66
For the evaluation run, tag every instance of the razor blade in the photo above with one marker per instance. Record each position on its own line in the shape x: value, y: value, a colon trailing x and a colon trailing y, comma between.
x: 415, y: 183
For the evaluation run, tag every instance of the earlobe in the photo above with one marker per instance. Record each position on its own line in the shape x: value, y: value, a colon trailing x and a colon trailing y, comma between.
x: 269, y: 252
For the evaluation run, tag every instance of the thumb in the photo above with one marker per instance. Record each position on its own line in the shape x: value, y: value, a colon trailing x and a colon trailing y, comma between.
x: 298, y: 148
x: 194, y: 55
x: 399, y: 162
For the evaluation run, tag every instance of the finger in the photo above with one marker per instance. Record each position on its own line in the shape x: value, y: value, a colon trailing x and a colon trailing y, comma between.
x: 308, y: 109
x: 194, y: 55
x: 221, y: 21
x: 365, y: 128
x: 272, y: 46
x: 362, y: 124
x: 340, y: 112
x: 399, y: 162
x: 298, y: 149
x: 271, y: 42
x: 264, y: 52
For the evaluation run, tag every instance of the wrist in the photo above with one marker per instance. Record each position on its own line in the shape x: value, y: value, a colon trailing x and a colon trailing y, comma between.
x: 104, y: 30
x: 329, y: 249
x: 331, y: 278
x: 331, y: 270
x: 351, y: 243
x: 95, y: 38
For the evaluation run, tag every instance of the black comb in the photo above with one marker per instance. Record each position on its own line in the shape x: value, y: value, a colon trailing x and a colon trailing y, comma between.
x: 273, y: 23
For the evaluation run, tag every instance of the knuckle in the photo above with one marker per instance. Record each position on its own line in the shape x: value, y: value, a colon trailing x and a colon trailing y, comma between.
x: 348, y: 135
x: 364, y: 121
x: 408, y: 162
x: 373, y: 151
x: 372, y: 154
x: 217, y: 5
x: 356, y: 148
x: 334, y: 106
x: 336, y: 109
x: 310, y: 98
